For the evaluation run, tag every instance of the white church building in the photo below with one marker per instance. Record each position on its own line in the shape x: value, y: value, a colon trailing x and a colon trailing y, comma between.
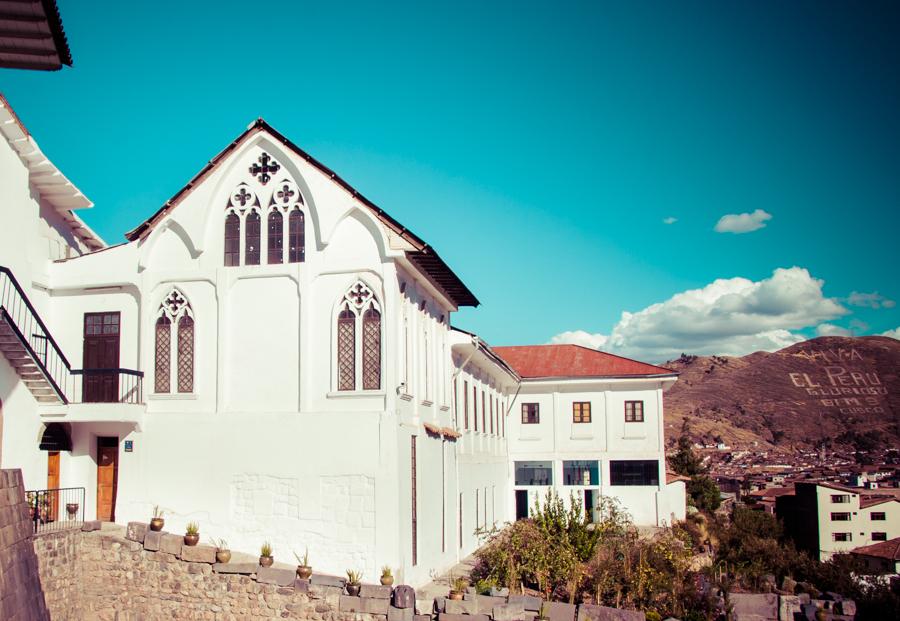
x: 271, y: 355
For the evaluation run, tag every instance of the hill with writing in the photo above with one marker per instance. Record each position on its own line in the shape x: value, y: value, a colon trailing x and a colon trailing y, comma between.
x: 827, y: 389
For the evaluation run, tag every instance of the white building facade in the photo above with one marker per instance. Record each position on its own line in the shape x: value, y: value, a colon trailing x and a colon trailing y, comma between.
x: 270, y: 355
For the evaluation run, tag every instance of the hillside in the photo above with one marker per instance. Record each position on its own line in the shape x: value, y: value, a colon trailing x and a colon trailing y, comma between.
x: 839, y: 389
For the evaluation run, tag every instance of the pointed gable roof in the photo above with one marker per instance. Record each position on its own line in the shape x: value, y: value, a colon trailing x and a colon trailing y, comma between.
x: 544, y: 361
x: 423, y: 256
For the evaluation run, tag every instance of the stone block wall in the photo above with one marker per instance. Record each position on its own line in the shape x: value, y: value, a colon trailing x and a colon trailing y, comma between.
x: 21, y: 597
x: 60, y: 571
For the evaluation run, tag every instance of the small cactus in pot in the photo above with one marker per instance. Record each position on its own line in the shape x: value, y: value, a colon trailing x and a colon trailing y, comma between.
x: 192, y: 534
x: 223, y: 554
x: 354, y: 582
x: 265, y: 555
x: 387, y: 576
x: 157, y: 522
x: 304, y: 571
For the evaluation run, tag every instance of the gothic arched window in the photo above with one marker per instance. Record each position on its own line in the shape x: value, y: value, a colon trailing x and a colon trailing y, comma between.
x: 174, y: 311
x: 296, y: 237
x: 276, y: 237
x: 232, y: 240
x: 253, y: 239
x: 358, y: 340
x: 346, y: 349
x: 161, y: 381
x: 371, y: 349
x: 186, y: 354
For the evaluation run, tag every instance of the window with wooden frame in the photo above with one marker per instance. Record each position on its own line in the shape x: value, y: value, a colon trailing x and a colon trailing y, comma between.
x: 531, y: 414
x: 174, y: 324
x: 232, y: 240
x: 466, y: 401
x: 275, y: 252
x: 252, y: 241
x: 296, y: 236
x: 358, y: 341
x: 634, y: 411
x: 581, y: 412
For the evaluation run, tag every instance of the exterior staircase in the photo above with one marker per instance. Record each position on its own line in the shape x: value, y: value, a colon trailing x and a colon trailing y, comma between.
x: 25, y: 364
x: 28, y: 345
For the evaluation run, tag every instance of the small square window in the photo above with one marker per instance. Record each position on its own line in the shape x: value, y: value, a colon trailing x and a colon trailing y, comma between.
x: 581, y: 412
x: 531, y: 414
x: 634, y: 411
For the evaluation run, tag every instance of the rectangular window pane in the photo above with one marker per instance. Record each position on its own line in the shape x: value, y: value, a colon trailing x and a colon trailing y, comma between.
x: 841, y: 537
x: 581, y: 473
x: 878, y: 515
x: 581, y: 412
x: 879, y: 536
x: 534, y: 473
x: 634, y: 472
x: 634, y: 411
x: 840, y: 498
x: 530, y: 414
x: 840, y: 517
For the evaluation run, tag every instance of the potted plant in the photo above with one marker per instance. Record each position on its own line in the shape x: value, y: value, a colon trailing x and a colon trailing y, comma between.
x: 192, y: 534
x: 304, y: 571
x: 387, y: 578
x: 265, y: 555
x: 354, y: 582
x: 157, y: 522
x: 223, y: 554
x: 72, y: 509
x: 458, y: 587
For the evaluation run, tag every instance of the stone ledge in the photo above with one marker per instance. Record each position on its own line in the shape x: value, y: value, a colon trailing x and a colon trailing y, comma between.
x: 198, y: 554
x: 275, y: 575
x: 235, y: 568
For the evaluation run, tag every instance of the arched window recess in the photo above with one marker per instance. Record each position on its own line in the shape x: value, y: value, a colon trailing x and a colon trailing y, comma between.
x: 358, y: 341
x: 174, y: 340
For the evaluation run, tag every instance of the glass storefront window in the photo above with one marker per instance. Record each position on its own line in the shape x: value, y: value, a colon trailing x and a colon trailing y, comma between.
x: 581, y: 473
x: 534, y: 473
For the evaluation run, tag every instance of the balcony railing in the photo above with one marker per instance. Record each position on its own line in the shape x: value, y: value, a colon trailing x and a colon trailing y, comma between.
x: 71, y: 385
x: 56, y: 509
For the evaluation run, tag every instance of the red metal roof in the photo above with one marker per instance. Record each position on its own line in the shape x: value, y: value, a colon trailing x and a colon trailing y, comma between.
x: 889, y: 549
x: 532, y: 361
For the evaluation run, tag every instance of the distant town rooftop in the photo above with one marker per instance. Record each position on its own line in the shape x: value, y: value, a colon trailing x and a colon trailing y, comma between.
x: 889, y: 549
x: 32, y: 36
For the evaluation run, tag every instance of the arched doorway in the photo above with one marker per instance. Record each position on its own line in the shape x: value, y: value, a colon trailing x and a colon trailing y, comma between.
x: 55, y: 438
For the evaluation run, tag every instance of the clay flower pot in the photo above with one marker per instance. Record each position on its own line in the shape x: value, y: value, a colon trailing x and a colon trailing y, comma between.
x: 156, y: 524
x: 353, y: 590
x: 72, y: 509
x: 223, y: 556
x: 304, y: 572
x: 456, y: 595
x: 266, y: 561
x: 191, y: 539
x: 387, y: 580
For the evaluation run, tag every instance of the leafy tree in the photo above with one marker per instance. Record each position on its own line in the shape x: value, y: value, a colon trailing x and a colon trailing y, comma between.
x: 704, y: 493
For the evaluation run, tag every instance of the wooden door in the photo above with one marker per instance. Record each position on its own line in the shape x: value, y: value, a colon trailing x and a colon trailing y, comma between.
x: 101, y: 351
x: 53, y: 484
x: 107, y: 478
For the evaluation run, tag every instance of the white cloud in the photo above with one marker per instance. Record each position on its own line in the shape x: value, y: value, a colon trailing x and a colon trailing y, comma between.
x: 869, y: 300
x: 894, y: 334
x: 829, y: 329
x: 732, y: 316
x: 742, y: 222
x: 670, y: 220
x: 580, y: 337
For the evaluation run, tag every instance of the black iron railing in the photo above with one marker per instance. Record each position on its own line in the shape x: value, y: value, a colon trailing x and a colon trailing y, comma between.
x: 70, y: 385
x: 56, y: 509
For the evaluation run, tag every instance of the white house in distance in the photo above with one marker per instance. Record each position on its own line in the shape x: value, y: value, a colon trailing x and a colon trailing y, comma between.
x: 270, y: 355
x: 589, y: 423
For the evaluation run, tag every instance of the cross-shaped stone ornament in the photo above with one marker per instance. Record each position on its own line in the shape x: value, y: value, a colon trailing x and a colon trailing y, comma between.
x: 359, y: 294
x: 266, y: 165
x: 285, y: 194
x: 243, y: 197
x: 175, y: 301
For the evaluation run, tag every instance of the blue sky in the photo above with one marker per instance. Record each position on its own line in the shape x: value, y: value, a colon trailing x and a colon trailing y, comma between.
x: 538, y: 146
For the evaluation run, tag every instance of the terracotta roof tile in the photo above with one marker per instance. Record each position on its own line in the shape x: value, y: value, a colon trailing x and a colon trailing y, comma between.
x: 532, y: 361
x: 889, y: 549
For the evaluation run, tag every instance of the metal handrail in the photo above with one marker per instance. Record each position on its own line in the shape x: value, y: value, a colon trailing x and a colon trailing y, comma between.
x: 22, y: 317
x: 56, y: 509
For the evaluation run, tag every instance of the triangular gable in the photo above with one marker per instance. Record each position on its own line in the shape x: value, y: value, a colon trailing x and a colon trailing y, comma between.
x: 423, y: 257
